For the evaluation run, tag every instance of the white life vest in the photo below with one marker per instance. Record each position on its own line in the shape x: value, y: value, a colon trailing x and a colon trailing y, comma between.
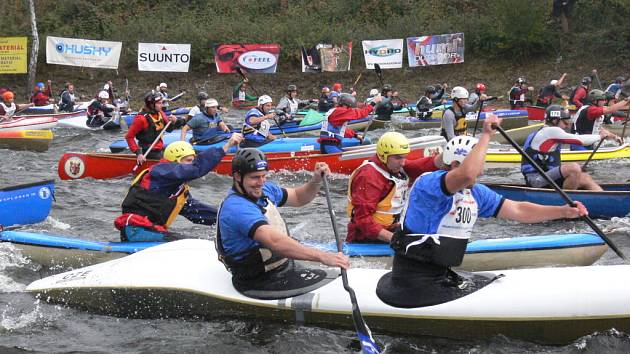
x: 293, y: 106
x: 241, y: 95
x: 9, y: 110
x: 329, y: 131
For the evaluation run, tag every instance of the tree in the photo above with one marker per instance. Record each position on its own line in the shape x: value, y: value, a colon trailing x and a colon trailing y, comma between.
x: 32, y: 65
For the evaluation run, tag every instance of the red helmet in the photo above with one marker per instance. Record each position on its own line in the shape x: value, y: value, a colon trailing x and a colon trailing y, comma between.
x: 480, y: 87
x: 337, y: 87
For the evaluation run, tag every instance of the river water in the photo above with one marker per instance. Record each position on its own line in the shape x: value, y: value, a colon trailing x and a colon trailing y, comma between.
x: 86, y: 208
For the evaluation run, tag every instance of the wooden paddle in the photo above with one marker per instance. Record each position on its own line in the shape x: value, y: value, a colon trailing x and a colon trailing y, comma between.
x: 592, y: 154
x: 379, y: 74
x: 368, y: 344
x: 564, y: 196
x: 135, y: 168
x: 240, y: 72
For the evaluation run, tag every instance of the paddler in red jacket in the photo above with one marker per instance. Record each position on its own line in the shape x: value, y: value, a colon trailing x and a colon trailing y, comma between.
x: 160, y: 193
x: 41, y: 97
x: 378, y: 189
x: 146, y: 127
x: 334, y: 126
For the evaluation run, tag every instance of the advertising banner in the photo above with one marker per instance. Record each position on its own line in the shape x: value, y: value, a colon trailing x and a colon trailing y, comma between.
x: 253, y: 58
x: 335, y: 57
x: 163, y: 57
x: 387, y: 53
x: 435, y: 50
x: 83, y: 52
x: 13, y: 55
x: 311, y: 62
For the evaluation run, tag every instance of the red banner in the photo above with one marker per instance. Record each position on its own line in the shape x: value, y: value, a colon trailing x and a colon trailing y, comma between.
x: 253, y: 58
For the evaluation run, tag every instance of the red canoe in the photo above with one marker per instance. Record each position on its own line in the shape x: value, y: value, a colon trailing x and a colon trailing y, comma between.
x: 18, y: 124
x: 106, y: 166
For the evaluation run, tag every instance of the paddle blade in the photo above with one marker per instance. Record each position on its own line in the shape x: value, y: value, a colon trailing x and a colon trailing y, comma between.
x: 368, y: 344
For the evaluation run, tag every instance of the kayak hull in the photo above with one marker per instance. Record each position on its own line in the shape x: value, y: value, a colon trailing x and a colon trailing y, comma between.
x: 26, y: 203
x: 511, y: 119
x: 599, y: 204
x: 550, y: 305
x: 509, y: 157
x: 25, y: 123
x: 33, y: 140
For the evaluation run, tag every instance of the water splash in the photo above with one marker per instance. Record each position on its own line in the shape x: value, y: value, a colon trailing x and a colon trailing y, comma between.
x: 11, y: 321
x: 10, y: 257
x: 56, y: 224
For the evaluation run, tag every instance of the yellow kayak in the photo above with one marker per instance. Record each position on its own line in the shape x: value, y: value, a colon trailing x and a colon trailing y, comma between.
x: 34, y: 140
x: 511, y: 156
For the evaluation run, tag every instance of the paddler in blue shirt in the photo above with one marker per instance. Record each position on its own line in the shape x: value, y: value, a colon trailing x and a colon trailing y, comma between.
x: 207, y: 125
x: 256, y: 126
x: 438, y: 221
x: 252, y: 238
x: 160, y: 193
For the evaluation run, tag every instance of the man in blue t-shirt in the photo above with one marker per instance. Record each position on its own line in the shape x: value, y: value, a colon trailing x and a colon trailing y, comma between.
x: 438, y: 221
x: 257, y: 125
x: 253, y: 241
x: 206, y: 125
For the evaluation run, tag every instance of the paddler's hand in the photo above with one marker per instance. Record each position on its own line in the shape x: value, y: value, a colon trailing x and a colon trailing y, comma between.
x: 321, y: 169
x: 234, y: 140
x: 172, y: 118
x: 335, y: 260
x: 361, y: 138
x: 489, y: 121
x: 224, y: 109
x: 575, y: 212
x: 140, y: 159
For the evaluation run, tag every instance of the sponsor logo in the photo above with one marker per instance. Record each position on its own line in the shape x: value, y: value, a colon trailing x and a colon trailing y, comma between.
x: 44, y: 193
x: 164, y: 57
x: 257, y: 59
x: 74, y: 167
x: 261, y: 165
x: 461, y: 151
x: 64, y: 48
x: 382, y: 51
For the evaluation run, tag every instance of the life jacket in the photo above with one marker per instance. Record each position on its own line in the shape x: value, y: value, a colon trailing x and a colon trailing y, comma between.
x: 148, y: 136
x: 517, y: 96
x: 329, y: 131
x: 261, y: 128
x: 584, y: 100
x: 9, y: 111
x: 460, y: 124
x: 293, y: 105
x: 546, y: 160
x: 389, y: 209
x: 325, y: 103
x: 93, y: 109
x: 256, y: 261
x: 583, y: 125
x: 159, y: 209
x: 213, y: 127
x: 384, y: 110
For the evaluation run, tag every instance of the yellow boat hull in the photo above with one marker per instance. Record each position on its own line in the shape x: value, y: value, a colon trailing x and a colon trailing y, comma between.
x: 511, y: 156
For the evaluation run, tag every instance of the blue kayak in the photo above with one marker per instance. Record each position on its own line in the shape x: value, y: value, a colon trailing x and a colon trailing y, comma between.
x: 26, y: 203
x: 614, y: 201
x: 560, y: 249
x: 278, y: 145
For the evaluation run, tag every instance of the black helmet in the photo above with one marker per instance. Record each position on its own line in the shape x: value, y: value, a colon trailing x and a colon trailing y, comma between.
x: 202, y: 96
x: 291, y: 88
x: 609, y: 95
x: 249, y: 160
x: 620, y: 79
x: 521, y: 80
x: 346, y: 99
x: 430, y: 89
x: 556, y: 111
x: 596, y: 95
x: 586, y: 80
x: 387, y: 87
x: 152, y: 97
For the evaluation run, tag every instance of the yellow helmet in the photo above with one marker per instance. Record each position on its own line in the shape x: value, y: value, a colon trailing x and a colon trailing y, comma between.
x: 177, y: 150
x: 391, y: 143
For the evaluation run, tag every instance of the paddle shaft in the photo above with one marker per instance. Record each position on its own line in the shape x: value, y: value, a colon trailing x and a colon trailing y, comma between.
x: 153, y: 144
x: 357, y: 318
x: 477, y: 120
x: 599, y: 83
x: 564, y: 196
x: 240, y: 72
x: 623, y: 131
x: 590, y: 157
x: 357, y: 81
x: 279, y: 127
x: 379, y: 74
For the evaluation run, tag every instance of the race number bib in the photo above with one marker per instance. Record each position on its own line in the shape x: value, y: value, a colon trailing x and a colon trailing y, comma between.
x: 460, y: 220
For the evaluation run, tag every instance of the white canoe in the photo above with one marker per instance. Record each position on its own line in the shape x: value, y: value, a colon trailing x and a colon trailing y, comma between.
x: 18, y: 124
x: 184, y: 278
x: 80, y: 122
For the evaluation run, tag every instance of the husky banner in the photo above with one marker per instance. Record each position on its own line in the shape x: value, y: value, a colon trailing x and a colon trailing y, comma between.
x: 435, y: 50
x: 387, y: 53
x: 335, y: 57
x: 253, y: 58
x: 163, y: 57
x: 83, y: 52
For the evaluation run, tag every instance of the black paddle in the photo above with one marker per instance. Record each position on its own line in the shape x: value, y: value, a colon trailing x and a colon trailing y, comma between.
x: 365, y: 336
x: 240, y: 72
x: 592, y: 154
x: 477, y: 120
x: 379, y: 74
x: 564, y: 196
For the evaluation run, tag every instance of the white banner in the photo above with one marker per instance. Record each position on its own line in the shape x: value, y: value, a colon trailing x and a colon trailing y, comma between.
x: 163, y: 57
x: 83, y: 52
x: 387, y: 53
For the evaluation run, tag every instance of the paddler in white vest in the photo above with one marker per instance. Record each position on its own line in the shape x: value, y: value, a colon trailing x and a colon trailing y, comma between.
x: 590, y: 116
x: 160, y: 193
x: 8, y: 106
x: 290, y: 103
x: 438, y: 221
x: 454, y: 118
x: 257, y: 125
x: 252, y: 238
x: 378, y: 189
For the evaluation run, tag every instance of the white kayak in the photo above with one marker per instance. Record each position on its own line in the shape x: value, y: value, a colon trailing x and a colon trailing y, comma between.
x: 80, y: 122
x: 184, y: 278
x: 23, y: 123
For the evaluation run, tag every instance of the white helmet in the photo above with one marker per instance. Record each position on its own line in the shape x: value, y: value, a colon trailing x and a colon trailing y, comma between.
x: 458, y: 148
x: 211, y: 102
x: 264, y: 99
x: 163, y: 84
x: 553, y: 82
x: 459, y: 92
x: 373, y: 92
x: 103, y: 95
x: 106, y: 87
